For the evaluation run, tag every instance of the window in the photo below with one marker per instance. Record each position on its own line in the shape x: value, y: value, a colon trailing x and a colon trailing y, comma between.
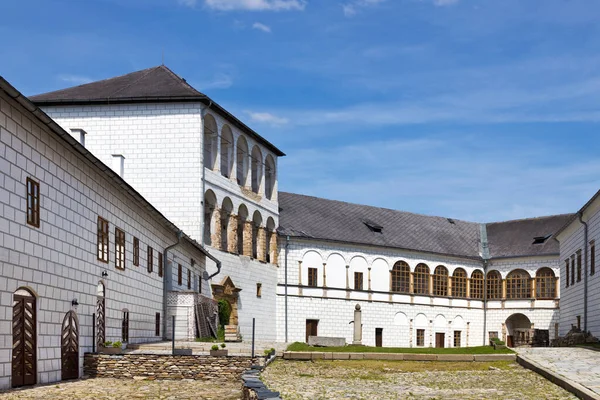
x: 459, y: 283
x: 494, y: 285
x: 400, y: 277
x: 150, y: 259
x: 592, y: 257
x: 578, y: 265
x: 33, y: 203
x: 157, y: 325
x: 189, y: 279
x: 102, y: 240
x: 420, y: 337
x: 477, y: 285
x: 572, y: 269
x: 358, y: 281
x: 160, y: 264
x: 421, y: 279
x: 179, y: 275
x: 518, y: 285
x: 567, y: 274
x: 312, y: 277
x: 136, y: 251
x: 457, y: 338
x: 119, y: 249
x: 545, y: 284
x: 440, y: 281
x: 259, y: 290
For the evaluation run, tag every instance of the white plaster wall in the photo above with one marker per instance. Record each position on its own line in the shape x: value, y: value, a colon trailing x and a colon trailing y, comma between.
x: 58, y: 260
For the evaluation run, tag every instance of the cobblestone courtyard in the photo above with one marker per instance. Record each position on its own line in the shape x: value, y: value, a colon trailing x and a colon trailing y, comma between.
x: 408, y: 380
x: 109, y: 389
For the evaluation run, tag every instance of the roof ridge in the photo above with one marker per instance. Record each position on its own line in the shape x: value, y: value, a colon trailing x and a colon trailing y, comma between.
x: 179, y: 79
x: 148, y: 72
x: 531, y: 218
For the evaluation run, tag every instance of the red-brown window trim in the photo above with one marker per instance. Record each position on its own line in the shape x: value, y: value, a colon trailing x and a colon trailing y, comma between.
x: 136, y: 252
x: 160, y: 264
x: 150, y: 259
x: 119, y: 248
x: 33, y: 203
x: 103, y: 240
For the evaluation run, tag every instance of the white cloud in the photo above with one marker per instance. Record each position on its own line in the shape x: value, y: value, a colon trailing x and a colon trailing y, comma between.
x: 445, y: 2
x: 75, y: 79
x: 352, y: 7
x: 266, y: 118
x: 261, y: 27
x: 254, y: 5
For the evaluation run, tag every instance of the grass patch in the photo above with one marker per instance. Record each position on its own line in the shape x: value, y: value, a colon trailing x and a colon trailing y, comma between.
x: 298, y: 346
x: 591, y: 345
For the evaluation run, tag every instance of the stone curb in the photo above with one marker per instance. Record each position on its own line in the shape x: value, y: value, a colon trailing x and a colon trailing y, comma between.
x: 306, y: 355
x: 577, y: 389
x: 253, y: 387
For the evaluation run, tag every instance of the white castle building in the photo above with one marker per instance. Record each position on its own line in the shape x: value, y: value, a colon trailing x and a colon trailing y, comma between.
x: 80, y: 239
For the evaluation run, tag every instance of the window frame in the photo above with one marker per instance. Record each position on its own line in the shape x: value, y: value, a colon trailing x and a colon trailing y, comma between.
x: 33, y: 202
x: 160, y: 264
x: 518, y: 285
x: 578, y: 265
x: 179, y: 275
x: 420, y: 337
x: 476, y: 285
x: 103, y: 241
x: 494, y: 285
x: 421, y: 279
x: 189, y: 279
x: 459, y: 283
x: 119, y: 249
x: 136, y: 251
x: 400, y: 278
x: 440, y: 281
x: 567, y: 273
x: 313, y: 277
x: 258, y: 289
x: 457, y: 336
x: 545, y: 284
x: 358, y: 280
x: 150, y: 261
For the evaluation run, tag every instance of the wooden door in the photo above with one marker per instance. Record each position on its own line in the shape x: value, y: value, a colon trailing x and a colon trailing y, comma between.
x: 24, y: 339
x: 439, y: 340
x: 378, y: 337
x: 311, y: 328
x: 509, y: 341
x: 100, y: 322
x: 70, y: 347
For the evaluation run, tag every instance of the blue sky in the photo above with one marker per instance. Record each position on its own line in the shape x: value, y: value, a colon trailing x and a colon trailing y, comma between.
x: 472, y: 109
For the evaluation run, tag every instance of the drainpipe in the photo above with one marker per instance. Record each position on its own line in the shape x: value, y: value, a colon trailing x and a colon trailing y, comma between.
x: 168, y: 281
x: 287, y: 244
x: 209, y: 277
x: 585, y: 270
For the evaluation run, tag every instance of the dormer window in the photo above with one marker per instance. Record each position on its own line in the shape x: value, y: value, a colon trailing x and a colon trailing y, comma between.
x: 541, y: 239
x: 374, y: 227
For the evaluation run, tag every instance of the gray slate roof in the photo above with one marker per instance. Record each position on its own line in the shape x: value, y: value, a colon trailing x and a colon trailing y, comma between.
x: 515, y: 238
x: 156, y: 84
x: 311, y: 217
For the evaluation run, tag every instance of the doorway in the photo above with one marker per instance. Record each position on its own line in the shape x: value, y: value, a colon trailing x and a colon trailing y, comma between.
x: 311, y: 328
x: 70, y: 347
x: 378, y: 337
x: 439, y: 340
x: 100, y: 310
x: 24, y: 339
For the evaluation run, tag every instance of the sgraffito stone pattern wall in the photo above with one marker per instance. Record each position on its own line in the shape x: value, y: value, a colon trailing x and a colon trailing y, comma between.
x: 164, y: 367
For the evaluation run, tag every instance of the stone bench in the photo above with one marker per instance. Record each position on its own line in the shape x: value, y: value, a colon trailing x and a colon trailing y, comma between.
x: 323, y: 341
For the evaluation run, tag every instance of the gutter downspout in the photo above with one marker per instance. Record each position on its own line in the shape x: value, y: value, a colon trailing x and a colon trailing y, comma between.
x: 485, y: 255
x: 168, y: 282
x: 585, y: 271
x: 209, y: 277
x: 287, y: 243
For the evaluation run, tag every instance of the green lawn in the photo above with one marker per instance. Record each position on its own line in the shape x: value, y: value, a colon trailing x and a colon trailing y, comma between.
x: 298, y: 346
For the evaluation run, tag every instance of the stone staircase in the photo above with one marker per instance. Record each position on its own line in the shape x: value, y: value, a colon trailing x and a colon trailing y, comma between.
x: 232, y: 333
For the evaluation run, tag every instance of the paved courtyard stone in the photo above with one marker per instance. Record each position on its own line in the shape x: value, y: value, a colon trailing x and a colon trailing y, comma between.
x: 113, y: 389
x: 574, y: 363
x: 383, y: 380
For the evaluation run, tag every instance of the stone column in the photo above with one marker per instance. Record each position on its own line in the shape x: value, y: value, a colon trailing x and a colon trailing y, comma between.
x: 215, y: 237
x: 411, y: 285
x: 261, y: 244
x: 247, y: 238
x: 468, y: 288
x: 232, y: 234
x: 300, y: 273
x: 347, y: 277
x: 273, y: 248
x: 369, y: 279
x: 324, y: 275
x: 357, y: 339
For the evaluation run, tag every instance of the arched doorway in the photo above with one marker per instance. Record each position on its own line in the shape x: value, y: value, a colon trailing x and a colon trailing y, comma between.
x: 70, y: 347
x: 519, y: 332
x: 24, y: 338
x: 100, y: 313
x: 227, y: 291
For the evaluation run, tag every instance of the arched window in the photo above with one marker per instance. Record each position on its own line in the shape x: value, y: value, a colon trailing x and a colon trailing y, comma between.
x: 518, y: 285
x: 545, y: 284
x: 459, y: 283
x: 400, y: 277
x: 256, y: 223
x: 257, y: 169
x: 494, y: 285
x: 477, y: 284
x: 210, y: 202
x: 440, y: 281
x: 226, y: 151
x: 241, y: 221
x: 271, y: 248
x: 241, y: 156
x: 269, y: 176
x: 421, y: 279
x: 210, y: 141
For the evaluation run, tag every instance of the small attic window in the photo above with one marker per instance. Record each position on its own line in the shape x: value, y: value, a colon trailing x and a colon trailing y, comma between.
x: 541, y: 239
x: 373, y: 226
x: 451, y: 221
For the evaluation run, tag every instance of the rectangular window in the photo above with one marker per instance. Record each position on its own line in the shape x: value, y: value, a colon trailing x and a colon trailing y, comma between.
x: 312, y: 277
x: 160, y: 264
x: 102, y: 240
x: 157, y: 325
x: 592, y: 257
x: 457, y: 338
x: 420, y: 337
x: 358, y: 281
x: 119, y: 249
x: 33, y: 203
x: 136, y: 251
x: 179, y: 275
x: 567, y: 274
x: 578, y: 265
x: 573, y: 269
x: 150, y: 259
x: 259, y: 290
x: 189, y: 279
